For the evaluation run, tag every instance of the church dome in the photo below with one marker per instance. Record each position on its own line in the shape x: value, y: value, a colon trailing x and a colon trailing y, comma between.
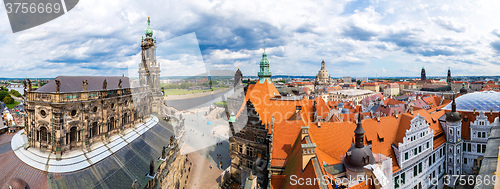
x: 463, y: 90
x: 357, y: 158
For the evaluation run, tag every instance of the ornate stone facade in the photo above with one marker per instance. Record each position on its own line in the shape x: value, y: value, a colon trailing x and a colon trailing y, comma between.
x: 69, y: 119
x: 323, y: 78
x: 72, y: 112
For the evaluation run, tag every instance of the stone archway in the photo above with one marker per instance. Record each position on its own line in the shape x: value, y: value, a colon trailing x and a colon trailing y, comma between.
x: 43, y: 135
x: 72, y: 135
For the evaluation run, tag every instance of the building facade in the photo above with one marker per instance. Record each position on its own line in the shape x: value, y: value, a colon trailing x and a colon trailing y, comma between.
x: 249, y: 149
x: 323, y: 78
x: 73, y: 112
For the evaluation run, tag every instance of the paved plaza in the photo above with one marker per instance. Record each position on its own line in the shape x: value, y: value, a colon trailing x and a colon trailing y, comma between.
x: 206, y: 143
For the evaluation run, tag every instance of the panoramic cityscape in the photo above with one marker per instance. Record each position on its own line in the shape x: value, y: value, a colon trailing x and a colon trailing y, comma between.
x: 248, y: 95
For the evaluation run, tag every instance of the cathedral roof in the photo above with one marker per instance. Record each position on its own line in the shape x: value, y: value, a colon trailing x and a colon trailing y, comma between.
x: 71, y: 84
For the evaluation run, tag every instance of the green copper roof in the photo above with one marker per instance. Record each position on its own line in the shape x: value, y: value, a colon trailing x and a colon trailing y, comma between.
x: 264, y: 61
x: 149, y: 31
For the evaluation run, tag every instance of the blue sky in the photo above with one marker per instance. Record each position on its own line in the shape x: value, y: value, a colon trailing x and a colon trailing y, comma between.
x: 355, y: 38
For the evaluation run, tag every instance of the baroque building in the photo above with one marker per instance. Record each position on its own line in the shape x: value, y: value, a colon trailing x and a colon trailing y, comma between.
x: 149, y: 69
x: 323, y: 78
x: 72, y: 112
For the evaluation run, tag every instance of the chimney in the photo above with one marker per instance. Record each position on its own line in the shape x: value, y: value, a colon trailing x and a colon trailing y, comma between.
x: 308, y: 152
x: 411, y: 110
x: 304, y: 131
x: 396, y: 114
x: 378, y: 116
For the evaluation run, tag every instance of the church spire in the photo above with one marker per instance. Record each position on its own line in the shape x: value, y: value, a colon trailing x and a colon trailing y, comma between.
x: 149, y: 31
x: 453, y: 105
x: 264, y: 73
x: 359, y: 133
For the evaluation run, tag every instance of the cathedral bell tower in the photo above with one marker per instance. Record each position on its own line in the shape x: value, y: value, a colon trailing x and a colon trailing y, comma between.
x: 149, y: 68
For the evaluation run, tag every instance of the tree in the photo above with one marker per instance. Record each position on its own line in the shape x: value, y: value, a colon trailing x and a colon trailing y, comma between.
x: 8, y: 100
x: 4, y: 94
x: 15, y: 93
x: 3, y: 88
x: 359, y: 82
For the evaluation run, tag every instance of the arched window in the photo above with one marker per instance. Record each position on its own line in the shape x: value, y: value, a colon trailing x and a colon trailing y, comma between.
x: 111, y: 124
x: 94, y: 130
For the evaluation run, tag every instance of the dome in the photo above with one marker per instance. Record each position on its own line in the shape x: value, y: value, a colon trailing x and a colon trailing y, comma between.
x: 482, y: 101
x: 357, y: 158
x: 453, y: 117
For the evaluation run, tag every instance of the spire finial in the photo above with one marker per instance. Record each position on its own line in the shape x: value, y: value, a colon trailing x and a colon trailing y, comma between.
x: 264, y: 45
x: 453, y: 105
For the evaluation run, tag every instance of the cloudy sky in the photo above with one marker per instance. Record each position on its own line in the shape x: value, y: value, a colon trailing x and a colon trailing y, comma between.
x: 355, y: 38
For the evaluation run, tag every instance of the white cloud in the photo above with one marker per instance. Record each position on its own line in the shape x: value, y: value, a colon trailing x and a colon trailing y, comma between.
x: 103, y: 37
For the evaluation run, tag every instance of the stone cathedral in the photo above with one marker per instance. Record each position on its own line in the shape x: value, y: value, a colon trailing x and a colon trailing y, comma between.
x: 72, y: 112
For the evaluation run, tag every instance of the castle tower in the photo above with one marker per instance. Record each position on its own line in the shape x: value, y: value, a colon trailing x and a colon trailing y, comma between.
x: 453, y: 141
x: 238, y: 78
x: 264, y: 73
x: 149, y: 68
x: 358, y: 154
x: 422, y: 75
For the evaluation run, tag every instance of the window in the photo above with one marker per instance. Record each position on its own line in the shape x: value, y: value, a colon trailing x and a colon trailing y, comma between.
x: 484, y: 148
x: 465, y: 160
x: 478, y: 148
x: 420, y: 167
x: 403, y: 178
x: 415, y: 151
x: 469, y: 147
x: 427, y: 144
x: 433, y: 158
x: 43, y: 113
x: 464, y: 146
x: 406, y: 156
x: 415, y: 171
x: 419, y: 149
x: 430, y: 161
x: 396, y: 182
